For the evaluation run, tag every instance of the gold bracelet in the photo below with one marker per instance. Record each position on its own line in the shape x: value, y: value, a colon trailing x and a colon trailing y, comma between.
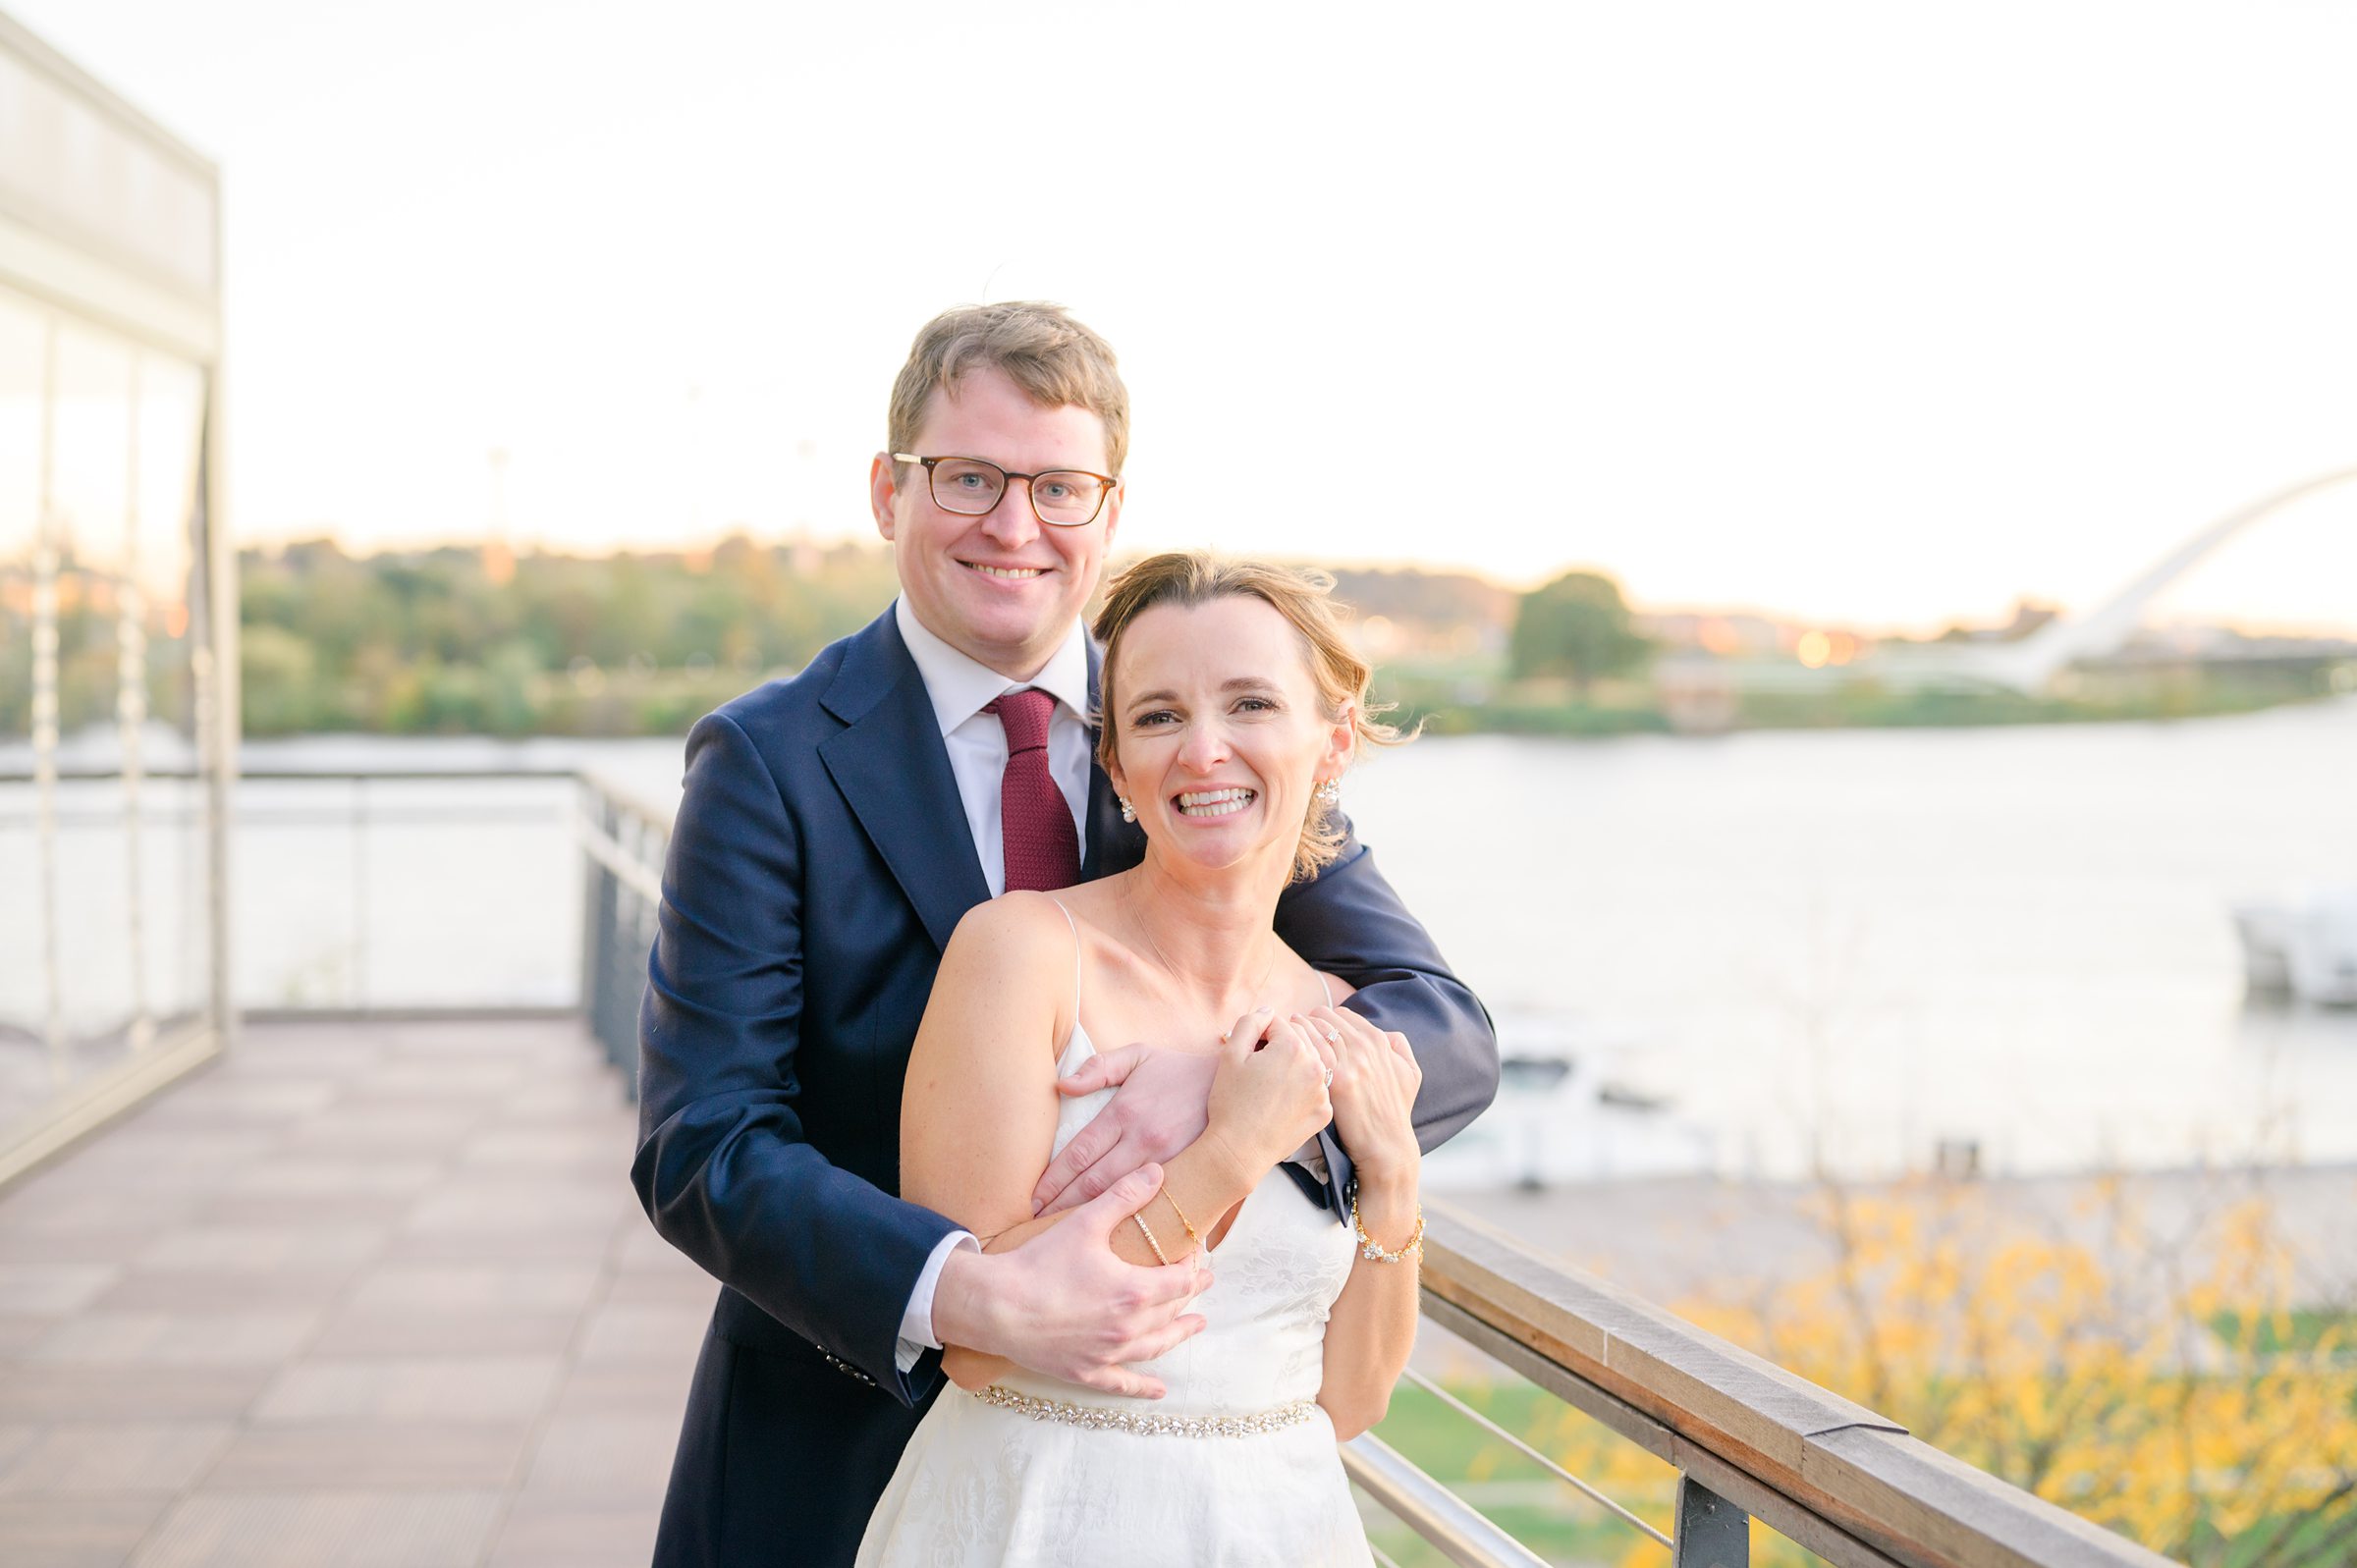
x: 1141, y: 1221
x: 1374, y: 1251
x: 1182, y: 1219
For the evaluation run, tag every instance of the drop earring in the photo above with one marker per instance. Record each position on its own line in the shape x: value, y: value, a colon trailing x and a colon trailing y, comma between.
x: 1329, y: 793
x: 1128, y: 811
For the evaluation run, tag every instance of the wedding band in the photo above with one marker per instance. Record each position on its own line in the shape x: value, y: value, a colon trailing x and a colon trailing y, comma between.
x: 1330, y: 1077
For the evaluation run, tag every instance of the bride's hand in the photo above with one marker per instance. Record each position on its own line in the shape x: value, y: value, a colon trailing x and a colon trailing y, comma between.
x: 1269, y: 1097
x: 1374, y: 1093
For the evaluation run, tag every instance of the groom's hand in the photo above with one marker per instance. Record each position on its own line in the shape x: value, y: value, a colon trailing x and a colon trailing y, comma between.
x: 1064, y: 1305
x: 1161, y: 1107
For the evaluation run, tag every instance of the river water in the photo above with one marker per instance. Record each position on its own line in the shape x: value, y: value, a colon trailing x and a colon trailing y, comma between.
x: 1801, y: 951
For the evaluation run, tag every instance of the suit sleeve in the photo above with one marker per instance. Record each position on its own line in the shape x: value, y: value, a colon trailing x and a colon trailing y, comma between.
x: 1348, y: 922
x: 723, y: 1168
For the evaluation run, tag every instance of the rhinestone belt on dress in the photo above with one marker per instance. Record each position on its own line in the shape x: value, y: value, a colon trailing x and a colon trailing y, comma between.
x: 1098, y: 1418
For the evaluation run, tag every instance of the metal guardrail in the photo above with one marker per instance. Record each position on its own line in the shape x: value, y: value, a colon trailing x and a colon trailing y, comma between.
x: 619, y: 833
x: 623, y: 841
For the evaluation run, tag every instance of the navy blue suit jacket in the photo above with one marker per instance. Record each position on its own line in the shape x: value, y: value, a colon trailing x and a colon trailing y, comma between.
x: 818, y: 864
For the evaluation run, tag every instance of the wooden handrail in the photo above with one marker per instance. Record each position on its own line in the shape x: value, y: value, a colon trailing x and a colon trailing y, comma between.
x: 1849, y: 1484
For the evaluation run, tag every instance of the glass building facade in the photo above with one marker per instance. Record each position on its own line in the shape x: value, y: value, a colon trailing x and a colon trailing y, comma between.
x: 117, y: 607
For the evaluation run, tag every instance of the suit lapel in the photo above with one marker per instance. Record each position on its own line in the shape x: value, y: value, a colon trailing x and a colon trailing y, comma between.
x: 894, y: 773
x: 1113, y: 844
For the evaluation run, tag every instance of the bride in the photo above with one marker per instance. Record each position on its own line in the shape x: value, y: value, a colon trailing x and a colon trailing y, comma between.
x: 1231, y: 705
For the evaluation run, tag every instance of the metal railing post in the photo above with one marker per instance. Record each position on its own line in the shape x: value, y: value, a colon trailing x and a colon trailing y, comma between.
x: 357, y: 983
x: 608, y: 915
x: 597, y: 893
x: 623, y: 846
x: 1712, y: 1532
x: 635, y: 943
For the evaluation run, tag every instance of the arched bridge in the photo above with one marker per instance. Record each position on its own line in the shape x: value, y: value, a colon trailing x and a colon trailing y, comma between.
x: 2033, y: 662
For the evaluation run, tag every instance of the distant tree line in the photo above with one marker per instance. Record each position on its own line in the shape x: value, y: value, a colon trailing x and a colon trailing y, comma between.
x: 461, y: 641
x: 464, y: 640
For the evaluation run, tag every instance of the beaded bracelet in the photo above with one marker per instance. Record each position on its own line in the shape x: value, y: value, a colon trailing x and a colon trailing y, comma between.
x: 1374, y: 1251
x: 1140, y: 1221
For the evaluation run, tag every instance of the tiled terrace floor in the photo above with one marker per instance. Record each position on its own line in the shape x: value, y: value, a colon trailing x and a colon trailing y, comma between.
x: 371, y: 1294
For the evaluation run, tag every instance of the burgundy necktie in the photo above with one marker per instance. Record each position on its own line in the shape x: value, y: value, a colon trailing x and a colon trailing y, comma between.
x: 1043, y: 851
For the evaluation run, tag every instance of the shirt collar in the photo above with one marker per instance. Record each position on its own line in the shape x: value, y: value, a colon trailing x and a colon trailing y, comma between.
x: 961, y: 687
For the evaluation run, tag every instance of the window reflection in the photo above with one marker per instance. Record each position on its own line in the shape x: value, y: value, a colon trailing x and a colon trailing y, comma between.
x: 102, y: 839
x: 23, y: 1065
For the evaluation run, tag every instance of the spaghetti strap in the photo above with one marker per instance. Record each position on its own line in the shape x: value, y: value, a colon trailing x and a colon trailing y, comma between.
x: 1075, y: 925
x: 1328, y: 989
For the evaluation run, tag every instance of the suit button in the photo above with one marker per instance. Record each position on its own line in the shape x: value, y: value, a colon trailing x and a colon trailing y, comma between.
x: 847, y: 1368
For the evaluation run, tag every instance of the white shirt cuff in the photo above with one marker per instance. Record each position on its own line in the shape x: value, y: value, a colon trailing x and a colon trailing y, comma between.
x: 916, y: 1323
x: 1311, y: 1157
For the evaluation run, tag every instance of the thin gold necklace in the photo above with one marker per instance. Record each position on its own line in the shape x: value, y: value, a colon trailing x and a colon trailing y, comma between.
x: 1153, y: 950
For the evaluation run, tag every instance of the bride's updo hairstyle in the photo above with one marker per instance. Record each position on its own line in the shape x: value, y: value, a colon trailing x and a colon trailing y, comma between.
x: 1304, y: 597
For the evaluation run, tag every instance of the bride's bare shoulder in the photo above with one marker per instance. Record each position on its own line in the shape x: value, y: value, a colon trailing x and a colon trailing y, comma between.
x: 1005, y: 986
x: 1023, y: 931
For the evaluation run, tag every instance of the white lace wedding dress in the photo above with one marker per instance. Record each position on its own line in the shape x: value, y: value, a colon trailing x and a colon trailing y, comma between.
x: 1013, y: 1475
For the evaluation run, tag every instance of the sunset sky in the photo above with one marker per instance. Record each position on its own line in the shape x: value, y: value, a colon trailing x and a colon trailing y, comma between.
x: 1874, y: 314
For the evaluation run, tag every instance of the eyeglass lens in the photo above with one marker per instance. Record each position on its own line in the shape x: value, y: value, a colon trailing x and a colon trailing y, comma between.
x: 971, y: 486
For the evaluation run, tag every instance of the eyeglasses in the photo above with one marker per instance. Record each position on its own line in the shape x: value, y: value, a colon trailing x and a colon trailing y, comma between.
x: 1062, y: 498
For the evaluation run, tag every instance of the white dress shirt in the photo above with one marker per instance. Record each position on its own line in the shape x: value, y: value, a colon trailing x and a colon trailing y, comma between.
x: 977, y: 746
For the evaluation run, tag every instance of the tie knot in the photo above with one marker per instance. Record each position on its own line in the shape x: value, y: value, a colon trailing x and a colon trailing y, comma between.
x: 1024, y: 714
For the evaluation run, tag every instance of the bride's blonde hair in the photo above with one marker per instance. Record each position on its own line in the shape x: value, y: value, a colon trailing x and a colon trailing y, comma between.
x: 1304, y: 597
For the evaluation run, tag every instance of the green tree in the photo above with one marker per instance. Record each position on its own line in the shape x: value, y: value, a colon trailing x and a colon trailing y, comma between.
x: 279, y: 677
x: 1576, y: 625
x: 436, y: 641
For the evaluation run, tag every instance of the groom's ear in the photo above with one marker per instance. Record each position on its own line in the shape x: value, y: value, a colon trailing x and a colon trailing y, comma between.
x: 884, y: 492
x: 1113, y: 511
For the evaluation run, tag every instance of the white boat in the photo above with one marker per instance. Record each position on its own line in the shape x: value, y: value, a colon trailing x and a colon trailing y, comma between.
x: 2304, y: 948
x: 1574, y: 1107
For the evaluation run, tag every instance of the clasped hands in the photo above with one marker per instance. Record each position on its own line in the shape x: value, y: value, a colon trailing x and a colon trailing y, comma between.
x: 1165, y: 1098
x: 1061, y: 1303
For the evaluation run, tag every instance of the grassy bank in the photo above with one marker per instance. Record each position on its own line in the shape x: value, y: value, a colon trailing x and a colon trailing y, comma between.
x: 1462, y: 703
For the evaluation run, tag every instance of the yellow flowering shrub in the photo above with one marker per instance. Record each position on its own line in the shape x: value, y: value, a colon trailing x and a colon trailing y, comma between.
x: 2163, y: 1380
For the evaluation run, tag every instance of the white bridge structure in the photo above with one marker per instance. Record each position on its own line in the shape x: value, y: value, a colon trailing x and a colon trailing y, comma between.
x: 2031, y: 664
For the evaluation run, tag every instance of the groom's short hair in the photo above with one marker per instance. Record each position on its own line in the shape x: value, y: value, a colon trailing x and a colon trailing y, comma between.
x: 1039, y: 347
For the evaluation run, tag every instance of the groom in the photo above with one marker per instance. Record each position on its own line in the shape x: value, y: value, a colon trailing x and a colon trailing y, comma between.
x: 834, y: 830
